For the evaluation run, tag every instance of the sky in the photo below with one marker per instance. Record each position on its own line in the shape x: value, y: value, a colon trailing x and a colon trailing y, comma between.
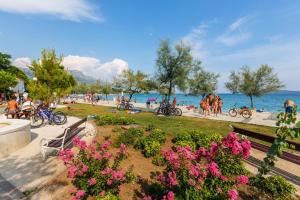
x: 103, y: 37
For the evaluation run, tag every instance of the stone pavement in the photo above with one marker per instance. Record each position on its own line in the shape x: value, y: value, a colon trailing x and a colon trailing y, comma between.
x: 25, y: 169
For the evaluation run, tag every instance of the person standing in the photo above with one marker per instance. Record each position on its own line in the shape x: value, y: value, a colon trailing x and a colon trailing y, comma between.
x: 288, y: 105
x: 13, y: 107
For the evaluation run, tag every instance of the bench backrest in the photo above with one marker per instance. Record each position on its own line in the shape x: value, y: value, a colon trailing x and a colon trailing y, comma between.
x: 263, y: 137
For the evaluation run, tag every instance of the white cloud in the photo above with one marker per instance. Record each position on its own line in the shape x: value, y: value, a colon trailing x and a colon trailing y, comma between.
x: 22, y: 62
x: 283, y: 56
x: 234, y: 34
x: 74, y: 10
x: 93, y: 67
x: 195, y: 40
x: 87, y: 65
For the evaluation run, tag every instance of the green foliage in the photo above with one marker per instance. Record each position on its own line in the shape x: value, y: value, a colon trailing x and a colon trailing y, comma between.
x: 185, y: 143
x: 129, y: 137
x: 109, y: 196
x: 158, y: 160
x: 102, y: 120
x: 274, y: 186
x: 230, y: 165
x: 197, y: 137
x: 151, y: 144
x: 202, y: 82
x: 254, y: 83
x: 51, y: 78
x: 173, y: 68
x: 150, y: 127
x: 5, y: 61
x: 132, y: 82
x: 116, y: 129
x: 7, y: 80
x: 152, y: 148
x: 287, y: 128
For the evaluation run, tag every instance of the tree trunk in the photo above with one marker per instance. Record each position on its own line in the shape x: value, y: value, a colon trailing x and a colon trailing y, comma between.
x: 130, y: 96
x: 106, y: 97
x: 170, y: 91
x: 251, y: 99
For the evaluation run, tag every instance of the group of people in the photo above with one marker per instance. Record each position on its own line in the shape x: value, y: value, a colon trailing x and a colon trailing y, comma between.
x: 17, y: 108
x: 211, y: 104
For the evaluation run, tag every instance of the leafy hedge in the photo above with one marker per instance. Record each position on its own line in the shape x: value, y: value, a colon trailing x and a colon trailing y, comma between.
x: 151, y: 144
x: 129, y: 137
x: 102, y: 120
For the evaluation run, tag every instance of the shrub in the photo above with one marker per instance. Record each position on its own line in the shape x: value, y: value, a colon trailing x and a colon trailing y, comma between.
x: 129, y: 137
x: 151, y: 144
x: 116, y: 129
x: 185, y: 143
x: 203, y: 139
x: 102, y: 120
x: 195, y: 174
x: 274, y: 186
x: 158, y: 135
x: 94, y: 171
x: 152, y: 147
x: 185, y: 136
x: 158, y: 160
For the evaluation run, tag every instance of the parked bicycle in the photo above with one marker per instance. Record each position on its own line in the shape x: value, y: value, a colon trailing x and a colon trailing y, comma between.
x: 37, y: 117
x: 244, y: 111
x: 125, y: 105
x: 168, y: 109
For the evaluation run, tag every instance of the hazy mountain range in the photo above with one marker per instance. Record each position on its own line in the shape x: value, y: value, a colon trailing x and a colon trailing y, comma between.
x: 78, y: 75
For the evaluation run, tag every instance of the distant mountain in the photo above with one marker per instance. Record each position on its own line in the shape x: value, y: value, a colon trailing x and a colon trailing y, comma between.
x: 78, y: 75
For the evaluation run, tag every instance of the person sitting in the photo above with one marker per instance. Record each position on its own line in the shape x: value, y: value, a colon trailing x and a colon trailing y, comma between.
x: 27, y: 107
x: 13, y: 108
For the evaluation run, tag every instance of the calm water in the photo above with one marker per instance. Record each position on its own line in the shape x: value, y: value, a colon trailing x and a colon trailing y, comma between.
x: 270, y: 102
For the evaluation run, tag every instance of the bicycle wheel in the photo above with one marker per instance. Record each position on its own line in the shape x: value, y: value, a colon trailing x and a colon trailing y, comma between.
x: 36, y: 121
x: 246, y: 114
x: 233, y: 112
x: 59, y: 118
x: 130, y: 106
x: 178, y: 111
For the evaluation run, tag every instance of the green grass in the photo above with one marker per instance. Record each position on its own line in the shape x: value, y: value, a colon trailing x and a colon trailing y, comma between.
x: 171, y: 125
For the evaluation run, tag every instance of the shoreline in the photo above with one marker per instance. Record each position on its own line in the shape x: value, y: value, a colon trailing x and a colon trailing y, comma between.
x: 263, y: 118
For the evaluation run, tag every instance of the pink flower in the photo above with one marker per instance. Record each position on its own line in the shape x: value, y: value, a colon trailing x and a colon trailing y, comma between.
x: 77, y: 142
x: 109, y: 182
x: 107, y: 155
x: 73, y: 198
x: 192, y: 182
x: 232, y: 194
x: 213, y: 149
x: 246, y: 144
x: 106, y: 171
x: 170, y: 196
x: 148, y: 197
x: 102, y: 193
x: 117, y: 175
x: 122, y: 149
x: 72, y: 171
x: 224, y: 178
x: 172, y: 178
x: 97, y: 156
x: 66, y: 155
x: 219, y: 190
x: 92, y: 181
x: 105, y: 145
x: 84, y: 168
x: 202, y: 151
x: 213, y: 169
x: 194, y: 171
x: 236, y: 148
x: 80, y: 194
x: 242, y: 179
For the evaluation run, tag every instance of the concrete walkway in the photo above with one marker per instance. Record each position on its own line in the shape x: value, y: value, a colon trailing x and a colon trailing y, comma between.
x: 25, y: 169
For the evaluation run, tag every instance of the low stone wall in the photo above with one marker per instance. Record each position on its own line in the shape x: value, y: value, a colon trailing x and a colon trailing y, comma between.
x: 13, y: 136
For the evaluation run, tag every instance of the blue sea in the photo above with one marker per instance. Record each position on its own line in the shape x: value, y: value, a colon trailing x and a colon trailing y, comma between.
x: 272, y: 102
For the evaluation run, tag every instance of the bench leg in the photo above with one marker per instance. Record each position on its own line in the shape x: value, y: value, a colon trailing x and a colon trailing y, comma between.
x: 43, y: 151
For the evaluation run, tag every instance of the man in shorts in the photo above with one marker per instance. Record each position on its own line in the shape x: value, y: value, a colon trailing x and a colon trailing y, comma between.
x: 288, y: 105
x: 12, y: 107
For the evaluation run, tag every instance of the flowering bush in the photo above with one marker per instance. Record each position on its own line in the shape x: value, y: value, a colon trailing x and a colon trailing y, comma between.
x: 93, y: 170
x: 196, y: 175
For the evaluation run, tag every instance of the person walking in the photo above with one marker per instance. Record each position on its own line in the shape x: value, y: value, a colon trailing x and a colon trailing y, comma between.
x: 13, y: 107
